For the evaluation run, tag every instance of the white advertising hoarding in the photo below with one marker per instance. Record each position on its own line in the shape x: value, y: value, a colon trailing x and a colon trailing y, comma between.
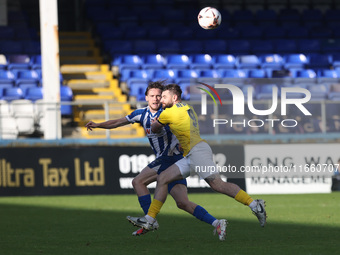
x: 290, y: 168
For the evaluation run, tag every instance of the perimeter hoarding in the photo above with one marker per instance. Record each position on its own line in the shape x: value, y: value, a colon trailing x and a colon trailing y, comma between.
x: 89, y: 170
x: 290, y: 168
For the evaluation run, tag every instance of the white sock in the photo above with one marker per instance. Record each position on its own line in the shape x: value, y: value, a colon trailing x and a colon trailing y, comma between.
x: 253, y: 205
x: 150, y: 219
x: 215, y: 223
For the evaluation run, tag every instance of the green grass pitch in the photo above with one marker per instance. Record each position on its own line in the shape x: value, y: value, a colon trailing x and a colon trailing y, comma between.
x: 297, y: 224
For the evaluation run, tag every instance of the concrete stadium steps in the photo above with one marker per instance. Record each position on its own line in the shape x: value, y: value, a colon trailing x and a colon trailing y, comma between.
x: 93, y: 86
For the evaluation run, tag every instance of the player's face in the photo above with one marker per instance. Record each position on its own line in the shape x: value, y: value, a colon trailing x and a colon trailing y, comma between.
x: 154, y: 99
x: 167, y: 99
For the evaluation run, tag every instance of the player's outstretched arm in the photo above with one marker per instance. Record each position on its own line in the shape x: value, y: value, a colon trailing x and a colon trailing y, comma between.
x: 110, y: 124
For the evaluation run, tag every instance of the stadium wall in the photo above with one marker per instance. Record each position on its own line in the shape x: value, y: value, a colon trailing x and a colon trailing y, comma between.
x: 101, y: 169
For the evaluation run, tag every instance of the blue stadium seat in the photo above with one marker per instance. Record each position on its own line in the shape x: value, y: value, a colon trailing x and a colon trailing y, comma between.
x: 164, y: 74
x: 182, y: 32
x: 209, y: 76
x: 177, y: 61
x: 310, y: 15
x: 153, y: 61
x: 25, y: 86
x: 228, y: 33
x: 7, y: 32
x: 214, y: 46
x: 328, y: 76
x: 11, y: 47
x: 159, y: 32
x: 138, y: 90
x: 297, y: 32
x: 308, y: 45
x: 167, y: 46
x: 135, y: 34
x: 26, y: 76
x: 130, y: 62
x: 19, y: 62
x: 256, y: 73
x: 251, y: 32
x: 289, y: 15
x: 186, y: 76
x: 330, y: 46
x: 191, y: 46
x: 66, y: 95
x: 258, y: 47
x: 204, y: 34
x: 284, y: 46
x: 13, y: 93
x: 107, y: 31
x: 247, y: 61
x: 321, y: 32
x: 6, y: 77
x: 36, y: 62
x: 31, y: 47
x: 144, y: 46
x: 201, y: 61
x: 336, y: 59
x: 118, y: 47
x: 274, y: 32
x: 265, y: 17
x: 239, y: 47
x: 305, y: 75
x: 295, y: 61
x: 34, y: 93
x: 224, y: 61
x: 273, y: 61
x: 242, y: 16
x: 319, y: 61
x: 136, y: 76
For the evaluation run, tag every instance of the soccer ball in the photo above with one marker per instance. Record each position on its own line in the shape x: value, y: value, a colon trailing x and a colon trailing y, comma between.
x: 209, y: 18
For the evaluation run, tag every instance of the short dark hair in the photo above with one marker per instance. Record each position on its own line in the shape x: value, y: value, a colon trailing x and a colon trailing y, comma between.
x: 155, y: 85
x: 175, y: 89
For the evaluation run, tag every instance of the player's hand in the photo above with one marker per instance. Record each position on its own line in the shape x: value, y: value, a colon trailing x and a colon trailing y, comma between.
x: 91, y: 125
x: 154, y: 120
x: 180, y: 148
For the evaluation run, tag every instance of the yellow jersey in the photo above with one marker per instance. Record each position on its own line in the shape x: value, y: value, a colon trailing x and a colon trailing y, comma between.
x: 183, y: 123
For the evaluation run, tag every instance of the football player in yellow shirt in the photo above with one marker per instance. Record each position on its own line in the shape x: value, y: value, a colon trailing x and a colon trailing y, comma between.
x: 183, y: 123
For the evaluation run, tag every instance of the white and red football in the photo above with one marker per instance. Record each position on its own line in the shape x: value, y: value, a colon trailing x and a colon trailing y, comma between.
x: 209, y: 18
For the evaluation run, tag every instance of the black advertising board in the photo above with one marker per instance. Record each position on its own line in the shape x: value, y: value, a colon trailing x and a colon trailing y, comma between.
x: 72, y: 170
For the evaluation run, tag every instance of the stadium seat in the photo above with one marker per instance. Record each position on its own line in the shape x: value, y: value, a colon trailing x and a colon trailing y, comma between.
x: 130, y: 62
x: 186, y: 76
x: 228, y: 34
x: 191, y: 46
x: 223, y: 61
x: 182, y: 32
x: 308, y: 45
x: 273, y: 61
x: 327, y: 76
x: 3, y: 62
x: 295, y: 61
x: 135, y: 34
x: 204, y: 34
x: 274, y: 32
x: 167, y: 46
x: 200, y: 61
x: 238, y: 47
x: 209, y: 76
x: 27, y: 76
x: 19, y: 62
x: 144, y: 47
x: 118, y: 47
x: 6, y: 77
x: 159, y: 32
x: 9, y: 47
x: 32, y: 47
x: 284, y: 46
x: 138, y: 89
x: 319, y: 61
x: 256, y: 73
x: 136, y: 76
x: 258, y: 47
x: 34, y: 93
x: 7, y: 32
x: 214, y: 46
x: 251, y: 32
x: 164, y: 74
x: 247, y: 62
x: 321, y: 32
x: 297, y: 32
x: 13, y: 93
x: 336, y: 60
x: 25, y: 86
x: 24, y: 114
x: 153, y: 61
x: 36, y: 62
x: 265, y: 17
x: 177, y: 61
x: 66, y: 95
x: 305, y: 75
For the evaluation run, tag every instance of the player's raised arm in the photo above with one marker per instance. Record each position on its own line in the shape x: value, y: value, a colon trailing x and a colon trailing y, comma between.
x: 110, y: 124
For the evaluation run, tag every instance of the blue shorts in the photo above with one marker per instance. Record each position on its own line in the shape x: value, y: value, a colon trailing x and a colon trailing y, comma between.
x: 162, y: 163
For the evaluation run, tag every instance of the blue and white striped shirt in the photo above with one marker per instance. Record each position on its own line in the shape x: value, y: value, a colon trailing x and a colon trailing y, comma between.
x: 164, y: 143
